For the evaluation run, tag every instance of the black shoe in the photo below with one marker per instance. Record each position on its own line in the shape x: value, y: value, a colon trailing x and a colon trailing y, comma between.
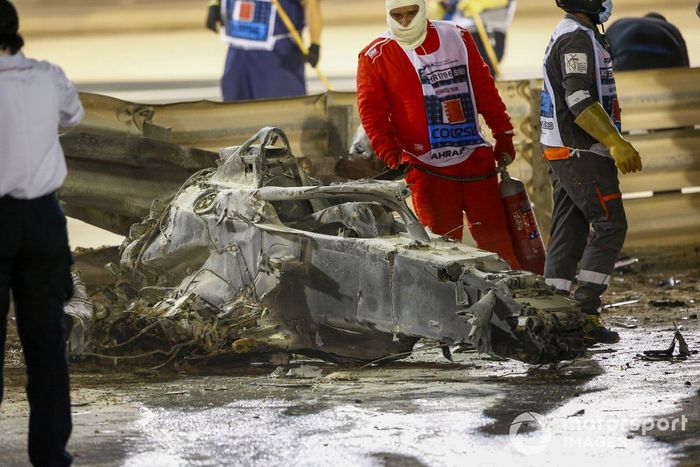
x: 595, y: 332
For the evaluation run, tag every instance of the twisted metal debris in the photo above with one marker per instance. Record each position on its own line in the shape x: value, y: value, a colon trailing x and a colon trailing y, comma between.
x: 254, y: 256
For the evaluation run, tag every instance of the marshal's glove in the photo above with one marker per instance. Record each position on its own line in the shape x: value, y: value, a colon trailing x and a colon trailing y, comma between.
x: 596, y: 122
x: 437, y: 9
x: 314, y: 55
x: 477, y: 6
x: 626, y: 157
x: 392, y: 159
x: 214, y: 15
x: 504, y: 147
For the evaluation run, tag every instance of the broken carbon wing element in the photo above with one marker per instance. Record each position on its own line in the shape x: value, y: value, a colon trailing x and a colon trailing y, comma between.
x: 667, y: 354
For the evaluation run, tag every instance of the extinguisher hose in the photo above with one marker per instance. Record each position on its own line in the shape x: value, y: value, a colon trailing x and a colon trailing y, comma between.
x: 455, y: 178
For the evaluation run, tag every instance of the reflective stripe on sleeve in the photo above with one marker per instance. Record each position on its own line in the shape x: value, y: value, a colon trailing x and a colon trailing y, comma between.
x: 578, y: 96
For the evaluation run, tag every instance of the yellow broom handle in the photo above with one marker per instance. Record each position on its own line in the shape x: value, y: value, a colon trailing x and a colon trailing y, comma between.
x: 299, y: 41
x: 484, y: 39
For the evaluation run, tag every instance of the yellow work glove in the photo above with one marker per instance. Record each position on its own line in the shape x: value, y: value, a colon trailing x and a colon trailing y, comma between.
x: 477, y: 6
x: 596, y: 122
x: 436, y: 9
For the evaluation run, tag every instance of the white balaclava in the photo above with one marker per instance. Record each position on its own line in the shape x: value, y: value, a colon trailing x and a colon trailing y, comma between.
x: 413, y: 35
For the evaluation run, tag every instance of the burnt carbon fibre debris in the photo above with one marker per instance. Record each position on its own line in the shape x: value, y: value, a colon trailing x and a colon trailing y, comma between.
x: 253, y: 256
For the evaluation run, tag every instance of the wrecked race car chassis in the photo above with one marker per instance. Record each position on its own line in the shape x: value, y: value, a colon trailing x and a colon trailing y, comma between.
x: 254, y: 256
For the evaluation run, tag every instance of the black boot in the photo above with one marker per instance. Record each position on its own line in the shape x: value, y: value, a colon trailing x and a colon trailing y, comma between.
x: 595, y: 332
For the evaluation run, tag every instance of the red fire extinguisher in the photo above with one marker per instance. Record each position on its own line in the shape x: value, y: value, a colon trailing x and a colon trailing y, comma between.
x: 522, y: 224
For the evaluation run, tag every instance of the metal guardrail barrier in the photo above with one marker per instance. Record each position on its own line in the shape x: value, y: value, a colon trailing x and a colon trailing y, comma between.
x: 661, y: 117
x: 124, y: 155
x: 661, y: 114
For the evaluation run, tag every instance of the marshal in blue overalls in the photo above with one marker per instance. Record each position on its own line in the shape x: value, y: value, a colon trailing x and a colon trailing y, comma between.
x: 263, y: 60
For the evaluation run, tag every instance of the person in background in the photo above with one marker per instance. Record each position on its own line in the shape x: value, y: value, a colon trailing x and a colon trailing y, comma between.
x: 36, y: 99
x: 647, y: 42
x: 263, y: 60
x: 580, y: 123
x: 496, y: 15
x: 420, y: 90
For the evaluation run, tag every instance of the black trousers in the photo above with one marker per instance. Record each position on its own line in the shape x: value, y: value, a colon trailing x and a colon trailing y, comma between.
x: 498, y: 42
x: 588, y: 226
x: 35, y: 264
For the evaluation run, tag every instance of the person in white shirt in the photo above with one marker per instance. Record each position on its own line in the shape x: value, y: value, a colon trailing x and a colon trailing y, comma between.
x: 36, y: 99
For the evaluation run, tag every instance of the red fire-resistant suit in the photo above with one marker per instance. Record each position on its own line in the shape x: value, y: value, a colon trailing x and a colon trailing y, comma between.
x: 393, y: 113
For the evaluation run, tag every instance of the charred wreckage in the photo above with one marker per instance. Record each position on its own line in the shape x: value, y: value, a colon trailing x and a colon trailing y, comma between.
x: 254, y: 256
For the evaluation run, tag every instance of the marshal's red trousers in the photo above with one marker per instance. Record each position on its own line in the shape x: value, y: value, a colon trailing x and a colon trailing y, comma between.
x: 440, y: 204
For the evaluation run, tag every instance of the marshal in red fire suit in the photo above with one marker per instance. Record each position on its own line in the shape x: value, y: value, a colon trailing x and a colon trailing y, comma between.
x: 404, y: 122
